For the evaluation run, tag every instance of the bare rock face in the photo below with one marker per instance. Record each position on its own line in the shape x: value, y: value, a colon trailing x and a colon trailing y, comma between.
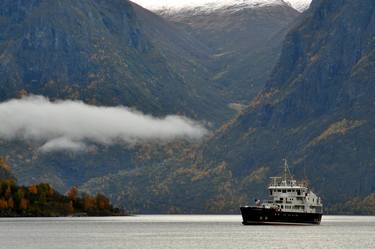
x: 317, y: 108
x: 244, y: 39
x: 101, y: 52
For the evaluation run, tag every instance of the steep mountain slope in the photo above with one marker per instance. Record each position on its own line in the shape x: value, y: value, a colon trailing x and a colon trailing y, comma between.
x: 245, y: 42
x: 317, y: 110
x: 103, y: 53
x: 5, y: 170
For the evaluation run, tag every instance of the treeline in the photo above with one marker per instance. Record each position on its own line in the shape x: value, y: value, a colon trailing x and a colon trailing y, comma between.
x: 42, y: 200
x: 355, y: 206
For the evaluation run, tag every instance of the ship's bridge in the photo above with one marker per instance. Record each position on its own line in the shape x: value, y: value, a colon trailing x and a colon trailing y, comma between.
x: 282, y: 186
x: 292, y: 196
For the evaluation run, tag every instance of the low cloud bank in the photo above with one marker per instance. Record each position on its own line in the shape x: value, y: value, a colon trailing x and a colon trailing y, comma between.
x: 74, y: 125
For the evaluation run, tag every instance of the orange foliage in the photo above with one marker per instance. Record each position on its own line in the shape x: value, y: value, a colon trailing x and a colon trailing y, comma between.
x: 24, y: 204
x: 22, y: 93
x: 10, y: 182
x: 89, y: 202
x: 10, y: 203
x: 72, y: 193
x: 4, y: 164
x: 69, y: 207
x: 3, y: 204
x: 102, y: 202
x: 33, y: 189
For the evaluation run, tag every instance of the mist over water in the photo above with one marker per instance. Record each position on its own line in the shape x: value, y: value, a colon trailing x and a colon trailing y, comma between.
x: 181, y: 231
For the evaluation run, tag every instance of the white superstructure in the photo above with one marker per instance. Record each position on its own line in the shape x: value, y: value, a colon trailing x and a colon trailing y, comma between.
x: 287, y: 195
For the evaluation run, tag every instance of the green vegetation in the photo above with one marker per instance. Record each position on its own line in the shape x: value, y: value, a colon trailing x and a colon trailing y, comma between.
x: 356, y: 206
x: 43, y: 201
x: 317, y: 109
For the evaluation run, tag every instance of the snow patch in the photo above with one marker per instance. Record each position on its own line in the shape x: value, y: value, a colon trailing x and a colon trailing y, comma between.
x: 166, y: 6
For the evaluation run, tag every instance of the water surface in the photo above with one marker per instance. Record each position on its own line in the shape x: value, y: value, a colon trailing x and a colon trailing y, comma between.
x: 182, y: 231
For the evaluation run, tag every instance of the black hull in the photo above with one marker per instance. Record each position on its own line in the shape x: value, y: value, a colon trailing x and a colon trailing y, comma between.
x: 270, y: 216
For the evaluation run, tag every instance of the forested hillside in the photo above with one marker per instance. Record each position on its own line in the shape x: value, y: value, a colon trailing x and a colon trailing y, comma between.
x: 315, y: 106
x: 103, y: 53
x: 317, y: 110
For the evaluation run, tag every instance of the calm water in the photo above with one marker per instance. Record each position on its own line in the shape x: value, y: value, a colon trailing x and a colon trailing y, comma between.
x: 170, y: 231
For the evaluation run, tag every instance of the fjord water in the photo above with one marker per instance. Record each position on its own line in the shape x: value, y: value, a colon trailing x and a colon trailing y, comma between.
x: 182, y: 231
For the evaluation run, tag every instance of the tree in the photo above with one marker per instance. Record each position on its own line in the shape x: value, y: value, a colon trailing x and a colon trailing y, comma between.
x: 33, y: 189
x: 3, y: 204
x: 4, y: 164
x: 69, y: 207
x: 10, y: 203
x: 72, y: 193
x: 50, y: 192
x: 8, y: 192
x: 102, y: 202
x: 89, y: 203
x: 24, y: 204
x: 20, y: 194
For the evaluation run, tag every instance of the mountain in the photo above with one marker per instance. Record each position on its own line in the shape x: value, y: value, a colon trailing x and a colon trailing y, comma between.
x: 244, y: 44
x: 105, y: 54
x: 317, y: 110
x: 244, y: 39
x: 300, y: 5
x: 5, y: 170
x: 211, y: 6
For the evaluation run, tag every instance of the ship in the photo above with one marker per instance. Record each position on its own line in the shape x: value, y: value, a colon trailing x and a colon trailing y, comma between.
x: 290, y: 202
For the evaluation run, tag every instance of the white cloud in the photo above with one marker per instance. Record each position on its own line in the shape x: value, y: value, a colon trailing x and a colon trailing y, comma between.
x: 182, y: 4
x: 62, y: 143
x: 73, y: 125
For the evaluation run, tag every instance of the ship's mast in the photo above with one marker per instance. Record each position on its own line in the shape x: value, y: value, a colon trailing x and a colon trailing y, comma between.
x: 287, y: 171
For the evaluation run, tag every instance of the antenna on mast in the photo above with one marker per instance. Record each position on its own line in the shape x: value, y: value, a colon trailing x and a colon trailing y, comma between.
x: 286, y: 170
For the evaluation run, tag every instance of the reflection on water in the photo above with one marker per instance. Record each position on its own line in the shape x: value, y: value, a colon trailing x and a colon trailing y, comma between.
x: 182, y: 231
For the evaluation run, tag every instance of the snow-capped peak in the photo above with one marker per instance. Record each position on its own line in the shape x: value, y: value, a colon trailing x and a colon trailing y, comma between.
x: 300, y: 5
x: 212, y: 5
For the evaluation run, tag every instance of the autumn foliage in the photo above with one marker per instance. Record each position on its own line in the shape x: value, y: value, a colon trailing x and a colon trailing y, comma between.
x: 43, y: 200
